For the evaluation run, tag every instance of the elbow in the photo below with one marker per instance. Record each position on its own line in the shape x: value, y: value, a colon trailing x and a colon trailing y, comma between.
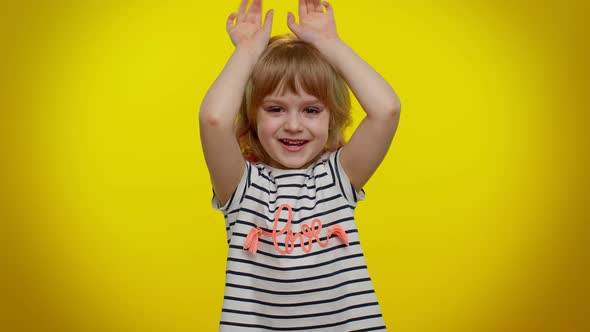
x: 212, y: 119
x: 394, y: 112
x: 387, y: 115
x: 209, y: 119
x: 390, y: 113
x: 395, y: 107
x: 392, y: 109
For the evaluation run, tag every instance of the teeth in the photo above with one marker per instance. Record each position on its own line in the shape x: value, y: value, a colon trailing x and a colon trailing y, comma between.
x: 293, y: 142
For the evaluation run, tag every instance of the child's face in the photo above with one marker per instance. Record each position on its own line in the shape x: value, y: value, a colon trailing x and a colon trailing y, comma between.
x: 292, y: 129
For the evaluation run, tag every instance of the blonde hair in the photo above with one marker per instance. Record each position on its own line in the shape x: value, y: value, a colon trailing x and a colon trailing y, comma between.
x: 292, y: 64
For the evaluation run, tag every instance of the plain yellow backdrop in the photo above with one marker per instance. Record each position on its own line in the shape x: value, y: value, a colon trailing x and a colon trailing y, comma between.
x: 477, y: 219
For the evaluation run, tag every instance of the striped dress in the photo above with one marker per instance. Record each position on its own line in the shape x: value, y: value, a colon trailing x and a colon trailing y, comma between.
x: 304, y: 270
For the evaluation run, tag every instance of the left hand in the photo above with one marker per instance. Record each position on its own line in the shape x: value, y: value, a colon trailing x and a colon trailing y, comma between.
x: 315, y: 26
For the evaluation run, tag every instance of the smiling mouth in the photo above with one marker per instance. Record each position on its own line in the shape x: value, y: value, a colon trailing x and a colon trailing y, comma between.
x: 293, y: 145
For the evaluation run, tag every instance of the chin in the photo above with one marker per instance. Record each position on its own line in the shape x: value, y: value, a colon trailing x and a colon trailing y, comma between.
x: 290, y: 165
x: 300, y: 163
x: 294, y: 160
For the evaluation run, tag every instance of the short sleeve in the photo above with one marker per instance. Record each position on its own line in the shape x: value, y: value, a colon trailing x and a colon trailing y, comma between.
x: 342, y: 181
x: 238, y: 194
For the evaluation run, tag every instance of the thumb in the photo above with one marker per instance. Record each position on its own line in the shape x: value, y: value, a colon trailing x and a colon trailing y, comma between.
x: 230, y: 21
x: 296, y: 28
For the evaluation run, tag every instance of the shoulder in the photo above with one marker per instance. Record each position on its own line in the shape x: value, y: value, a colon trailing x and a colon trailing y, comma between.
x: 237, y: 195
x: 342, y: 180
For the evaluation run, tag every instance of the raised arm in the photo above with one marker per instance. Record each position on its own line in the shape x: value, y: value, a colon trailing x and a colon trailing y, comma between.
x: 222, y: 102
x: 369, y: 143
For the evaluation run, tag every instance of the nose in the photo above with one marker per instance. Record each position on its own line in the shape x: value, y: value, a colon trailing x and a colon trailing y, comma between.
x: 293, y: 122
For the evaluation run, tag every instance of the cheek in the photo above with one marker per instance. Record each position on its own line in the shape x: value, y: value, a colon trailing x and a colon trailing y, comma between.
x: 266, y: 127
x: 322, y: 127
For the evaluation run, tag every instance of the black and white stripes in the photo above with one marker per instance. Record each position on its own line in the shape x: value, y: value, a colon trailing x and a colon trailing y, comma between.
x: 326, y: 289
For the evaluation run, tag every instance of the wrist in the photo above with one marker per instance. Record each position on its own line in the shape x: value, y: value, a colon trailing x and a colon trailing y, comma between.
x: 250, y: 52
x: 330, y: 46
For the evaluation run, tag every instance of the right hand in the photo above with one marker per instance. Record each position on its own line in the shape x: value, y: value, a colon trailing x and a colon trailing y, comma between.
x: 246, y: 31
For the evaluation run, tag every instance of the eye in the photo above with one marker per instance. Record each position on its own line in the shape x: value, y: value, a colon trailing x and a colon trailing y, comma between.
x: 312, y: 110
x: 273, y: 109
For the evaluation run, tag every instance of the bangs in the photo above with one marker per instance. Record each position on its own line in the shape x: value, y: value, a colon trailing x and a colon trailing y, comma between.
x: 290, y: 66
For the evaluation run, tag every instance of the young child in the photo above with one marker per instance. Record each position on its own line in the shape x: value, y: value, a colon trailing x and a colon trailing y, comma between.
x: 287, y: 184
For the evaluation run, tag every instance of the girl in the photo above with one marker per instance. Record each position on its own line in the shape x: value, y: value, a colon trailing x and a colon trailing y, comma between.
x: 283, y: 177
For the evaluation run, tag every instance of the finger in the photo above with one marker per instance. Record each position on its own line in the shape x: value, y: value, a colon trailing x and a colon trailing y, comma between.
x: 230, y: 21
x: 302, y: 8
x: 267, y: 27
x: 317, y: 6
x: 255, y: 11
x: 255, y: 19
x: 309, y: 6
x: 296, y: 28
x: 329, y: 9
x: 242, y: 10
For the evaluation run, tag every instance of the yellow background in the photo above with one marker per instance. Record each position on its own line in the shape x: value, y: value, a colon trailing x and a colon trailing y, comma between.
x: 477, y: 219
